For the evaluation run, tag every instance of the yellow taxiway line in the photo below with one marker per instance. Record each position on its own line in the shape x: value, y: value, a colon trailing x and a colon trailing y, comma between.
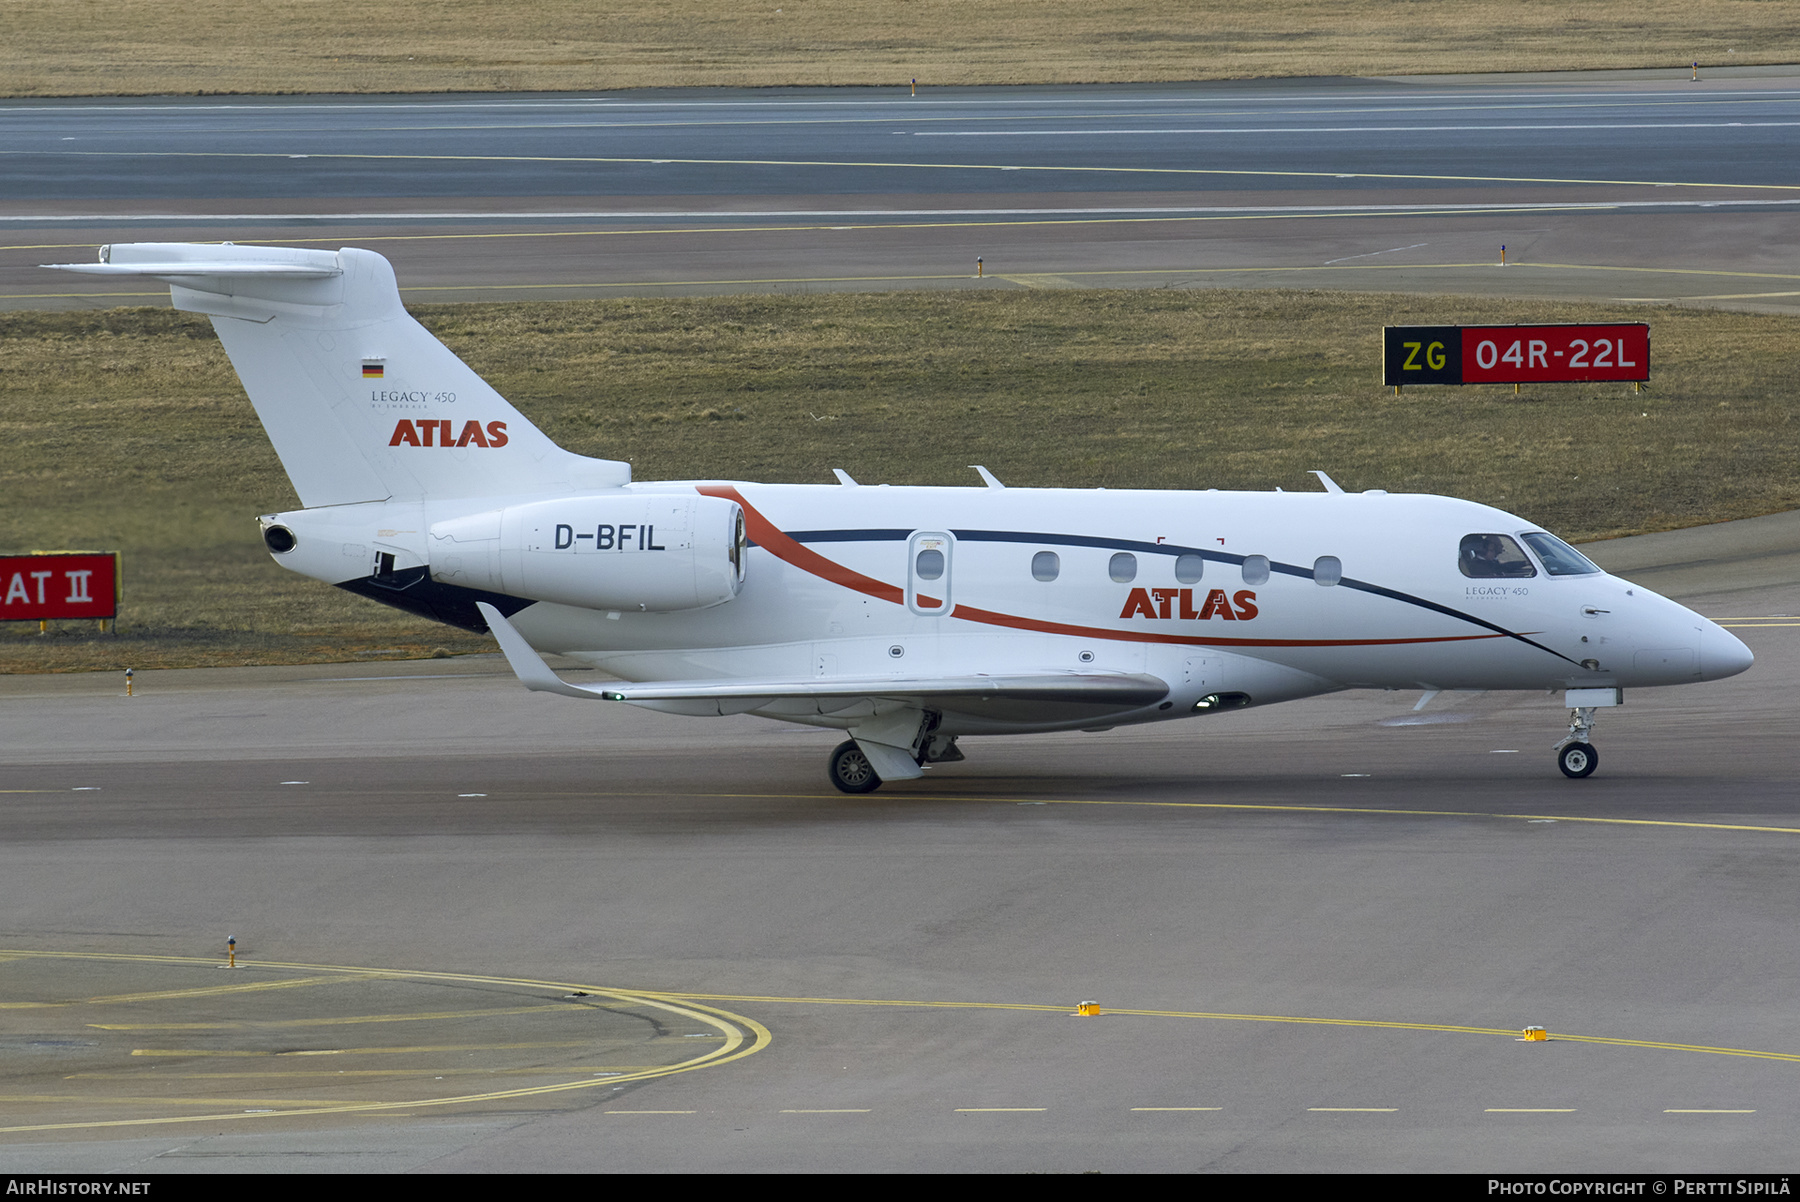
x: 733, y: 1027
x: 1246, y: 807
x: 1006, y: 277
x: 741, y: 1037
x: 1221, y: 1016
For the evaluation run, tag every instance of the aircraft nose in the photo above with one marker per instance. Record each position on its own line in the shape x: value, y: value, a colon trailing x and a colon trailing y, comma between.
x: 1722, y: 653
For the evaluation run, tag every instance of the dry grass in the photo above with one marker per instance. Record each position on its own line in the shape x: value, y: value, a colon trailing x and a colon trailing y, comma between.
x: 127, y: 429
x: 116, y: 47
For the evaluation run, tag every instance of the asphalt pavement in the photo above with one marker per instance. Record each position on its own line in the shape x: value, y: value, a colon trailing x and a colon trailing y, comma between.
x: 479, y: 929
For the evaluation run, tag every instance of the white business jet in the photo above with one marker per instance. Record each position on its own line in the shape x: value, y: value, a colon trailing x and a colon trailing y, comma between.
x: 905, y: 617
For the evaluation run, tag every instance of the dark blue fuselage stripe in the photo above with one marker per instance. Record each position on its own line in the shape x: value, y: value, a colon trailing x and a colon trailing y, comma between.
x: 848, y: 536
x: 1172, y: 549
x: 1015, y: 536
x: 1088, y: 540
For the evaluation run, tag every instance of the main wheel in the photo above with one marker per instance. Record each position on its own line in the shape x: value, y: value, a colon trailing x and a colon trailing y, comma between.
x: 1578, y: 760
x: 850, y: 769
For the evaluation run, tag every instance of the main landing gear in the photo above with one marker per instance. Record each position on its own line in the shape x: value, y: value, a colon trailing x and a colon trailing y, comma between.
x: 1575, y: 755
x: 850, y: 769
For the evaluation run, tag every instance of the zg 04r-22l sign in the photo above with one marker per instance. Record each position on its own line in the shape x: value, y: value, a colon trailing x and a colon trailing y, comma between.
x: 1515, y: 354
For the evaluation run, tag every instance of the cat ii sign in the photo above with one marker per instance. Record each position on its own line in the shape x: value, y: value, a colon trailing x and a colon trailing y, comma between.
x: 59, y: 584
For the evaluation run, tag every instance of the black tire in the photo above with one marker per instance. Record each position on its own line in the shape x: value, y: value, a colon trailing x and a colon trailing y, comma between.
x: 850, y: 769
x: 1578, y: 760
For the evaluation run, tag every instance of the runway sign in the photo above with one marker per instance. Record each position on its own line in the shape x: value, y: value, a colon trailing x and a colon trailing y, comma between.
x: 1515, y: 354
x: 59, y: 584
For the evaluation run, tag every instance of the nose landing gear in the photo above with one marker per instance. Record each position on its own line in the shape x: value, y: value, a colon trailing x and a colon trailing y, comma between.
x: 1575, y: 755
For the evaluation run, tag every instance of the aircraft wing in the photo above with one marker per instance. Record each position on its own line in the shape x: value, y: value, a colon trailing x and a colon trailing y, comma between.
x: 1096, y: 688
x: 1117, y: 691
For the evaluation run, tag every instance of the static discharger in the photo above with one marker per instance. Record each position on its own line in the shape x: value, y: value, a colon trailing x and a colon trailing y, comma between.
x: 1534, y: 1035
x: 1087, y: 1010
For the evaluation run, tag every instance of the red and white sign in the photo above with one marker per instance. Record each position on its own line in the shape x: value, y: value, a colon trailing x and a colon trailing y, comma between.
x: 63, y: 584
x: 1547, y: 354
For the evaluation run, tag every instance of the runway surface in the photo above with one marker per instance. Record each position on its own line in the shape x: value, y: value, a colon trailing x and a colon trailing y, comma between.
x: 1633, y: 186
x: 481, y: 929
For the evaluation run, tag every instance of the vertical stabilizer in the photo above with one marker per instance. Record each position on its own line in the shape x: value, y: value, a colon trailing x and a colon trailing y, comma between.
x: 361, y: 402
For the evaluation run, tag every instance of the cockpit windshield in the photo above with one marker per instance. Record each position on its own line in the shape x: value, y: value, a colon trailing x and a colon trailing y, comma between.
x: 1493, y: 557
x: 1559, y: 558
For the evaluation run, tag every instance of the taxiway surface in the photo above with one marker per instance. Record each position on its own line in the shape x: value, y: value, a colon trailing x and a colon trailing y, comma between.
x: 482, y: 929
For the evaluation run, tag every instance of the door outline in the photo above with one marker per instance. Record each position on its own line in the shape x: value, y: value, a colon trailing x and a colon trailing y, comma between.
x: 935, y: 601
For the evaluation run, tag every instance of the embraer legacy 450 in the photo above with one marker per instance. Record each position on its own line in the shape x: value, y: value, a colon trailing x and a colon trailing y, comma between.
x: 905, y: 617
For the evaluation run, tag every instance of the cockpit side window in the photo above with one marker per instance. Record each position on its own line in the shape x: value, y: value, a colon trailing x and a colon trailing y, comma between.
x: 1493, y: 557
x: 1558, y: 557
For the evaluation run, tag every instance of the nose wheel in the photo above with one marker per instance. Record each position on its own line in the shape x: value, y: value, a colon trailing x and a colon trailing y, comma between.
x: 850, y: 769
x: 1575, y: 755
x: 1578, y: 760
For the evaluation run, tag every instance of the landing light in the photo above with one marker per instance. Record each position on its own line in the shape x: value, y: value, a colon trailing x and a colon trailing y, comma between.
x: 1221, y: 701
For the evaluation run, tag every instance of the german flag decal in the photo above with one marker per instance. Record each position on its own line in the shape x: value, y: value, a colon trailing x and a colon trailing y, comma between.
x: 372, y: 368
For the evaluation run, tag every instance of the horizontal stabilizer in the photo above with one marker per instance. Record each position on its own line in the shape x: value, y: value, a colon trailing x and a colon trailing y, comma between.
x: 1091, y: 688
x: 199, y: 267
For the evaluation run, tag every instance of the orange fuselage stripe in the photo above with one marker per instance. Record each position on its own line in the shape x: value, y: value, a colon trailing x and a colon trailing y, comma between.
x: 768, y: 536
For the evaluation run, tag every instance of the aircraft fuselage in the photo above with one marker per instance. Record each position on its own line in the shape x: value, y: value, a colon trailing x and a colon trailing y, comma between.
x: 1262, y: 597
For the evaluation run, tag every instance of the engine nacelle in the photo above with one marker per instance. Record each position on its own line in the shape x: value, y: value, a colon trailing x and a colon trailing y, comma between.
x: 654, y: 553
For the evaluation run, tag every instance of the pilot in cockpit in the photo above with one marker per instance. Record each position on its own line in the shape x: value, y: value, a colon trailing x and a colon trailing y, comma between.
x: 1485, y: 560
x: 1493, y: 556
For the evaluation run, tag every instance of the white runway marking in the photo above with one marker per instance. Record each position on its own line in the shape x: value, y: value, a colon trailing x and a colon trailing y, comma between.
x: 840, y: 214
x: 899, y: 103
x: 1543, y: 127
x: 1390, y: 251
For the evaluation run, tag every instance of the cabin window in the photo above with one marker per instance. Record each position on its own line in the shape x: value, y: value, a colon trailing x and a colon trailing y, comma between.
x: 1558, y: 557
x: 1045, y: 566
x: 929, y: 565
x: 1123, y: 568
x: 1328, y: 570
x: 1256, y: 569
x: 1189, y: 568
x: 1493, y: 557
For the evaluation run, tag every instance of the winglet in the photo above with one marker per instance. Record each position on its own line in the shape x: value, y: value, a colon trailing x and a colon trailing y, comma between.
x: 524, y: 660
